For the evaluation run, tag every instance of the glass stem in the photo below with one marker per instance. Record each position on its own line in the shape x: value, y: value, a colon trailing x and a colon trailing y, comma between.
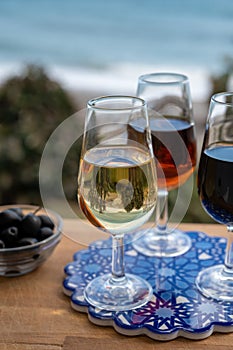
x: 118, y: 272
x: 229, y: 252
x: 162, y: 211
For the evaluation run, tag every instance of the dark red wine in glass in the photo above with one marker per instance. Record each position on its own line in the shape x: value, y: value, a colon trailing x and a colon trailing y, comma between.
x: 215, y: 188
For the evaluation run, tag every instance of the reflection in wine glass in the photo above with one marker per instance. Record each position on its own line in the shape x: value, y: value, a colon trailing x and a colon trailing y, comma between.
x: 174, y: 144
x: 215, y: 187
x: 117, y: 191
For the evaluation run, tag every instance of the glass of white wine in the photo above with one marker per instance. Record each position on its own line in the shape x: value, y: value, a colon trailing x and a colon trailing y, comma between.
x: 117, y: 191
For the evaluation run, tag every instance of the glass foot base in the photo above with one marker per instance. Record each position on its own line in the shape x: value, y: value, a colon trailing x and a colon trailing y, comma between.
x: 153, y: 243
x: 215, y: 283
x: 126, y: 294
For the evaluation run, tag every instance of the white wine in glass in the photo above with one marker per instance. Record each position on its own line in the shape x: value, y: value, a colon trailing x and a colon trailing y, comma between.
x: 117, y: 191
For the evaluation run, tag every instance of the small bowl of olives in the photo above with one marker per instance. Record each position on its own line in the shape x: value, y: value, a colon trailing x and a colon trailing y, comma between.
x: 28, y: 236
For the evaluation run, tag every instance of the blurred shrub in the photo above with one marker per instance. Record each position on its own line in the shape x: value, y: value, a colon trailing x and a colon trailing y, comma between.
x: 219, y: 82
x: 31, y: 107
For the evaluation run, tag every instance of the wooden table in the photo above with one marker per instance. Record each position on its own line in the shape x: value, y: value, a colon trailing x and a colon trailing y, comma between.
x: 35, y: 314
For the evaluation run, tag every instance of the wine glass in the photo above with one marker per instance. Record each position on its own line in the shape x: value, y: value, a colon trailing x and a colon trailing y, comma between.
x: 117, y: 191
x: 215, y: 188
x: 174, y: 144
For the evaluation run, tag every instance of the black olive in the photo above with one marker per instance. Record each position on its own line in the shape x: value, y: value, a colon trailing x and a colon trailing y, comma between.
x: 45, y: 232
x: 46, y: 221
x: 30, y: 225
x: 9, y: 218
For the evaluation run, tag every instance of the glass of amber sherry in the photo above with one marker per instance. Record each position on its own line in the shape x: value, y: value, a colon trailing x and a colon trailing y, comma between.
x: 174, y: 144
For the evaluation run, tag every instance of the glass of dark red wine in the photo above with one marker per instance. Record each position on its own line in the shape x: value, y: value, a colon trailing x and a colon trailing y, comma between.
x: 174, y: 144
x: 215, y: 188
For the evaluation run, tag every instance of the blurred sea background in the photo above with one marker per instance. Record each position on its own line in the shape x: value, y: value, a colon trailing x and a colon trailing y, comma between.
x: 97, y: 47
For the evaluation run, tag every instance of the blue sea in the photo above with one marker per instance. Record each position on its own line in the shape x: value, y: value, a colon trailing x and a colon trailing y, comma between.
x: 76, y: 39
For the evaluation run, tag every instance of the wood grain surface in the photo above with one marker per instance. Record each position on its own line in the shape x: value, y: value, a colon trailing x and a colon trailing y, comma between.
x: 35, y: 314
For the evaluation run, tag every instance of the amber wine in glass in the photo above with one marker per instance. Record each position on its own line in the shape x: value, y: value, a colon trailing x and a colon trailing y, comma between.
x: 174, y: 144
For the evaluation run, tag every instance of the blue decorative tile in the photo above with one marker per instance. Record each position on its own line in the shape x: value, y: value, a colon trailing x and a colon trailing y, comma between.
x: 176, y: 309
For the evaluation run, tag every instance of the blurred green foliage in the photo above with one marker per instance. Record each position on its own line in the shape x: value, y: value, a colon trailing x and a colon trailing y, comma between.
x: 219, y: 82
x: 31, y: 107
